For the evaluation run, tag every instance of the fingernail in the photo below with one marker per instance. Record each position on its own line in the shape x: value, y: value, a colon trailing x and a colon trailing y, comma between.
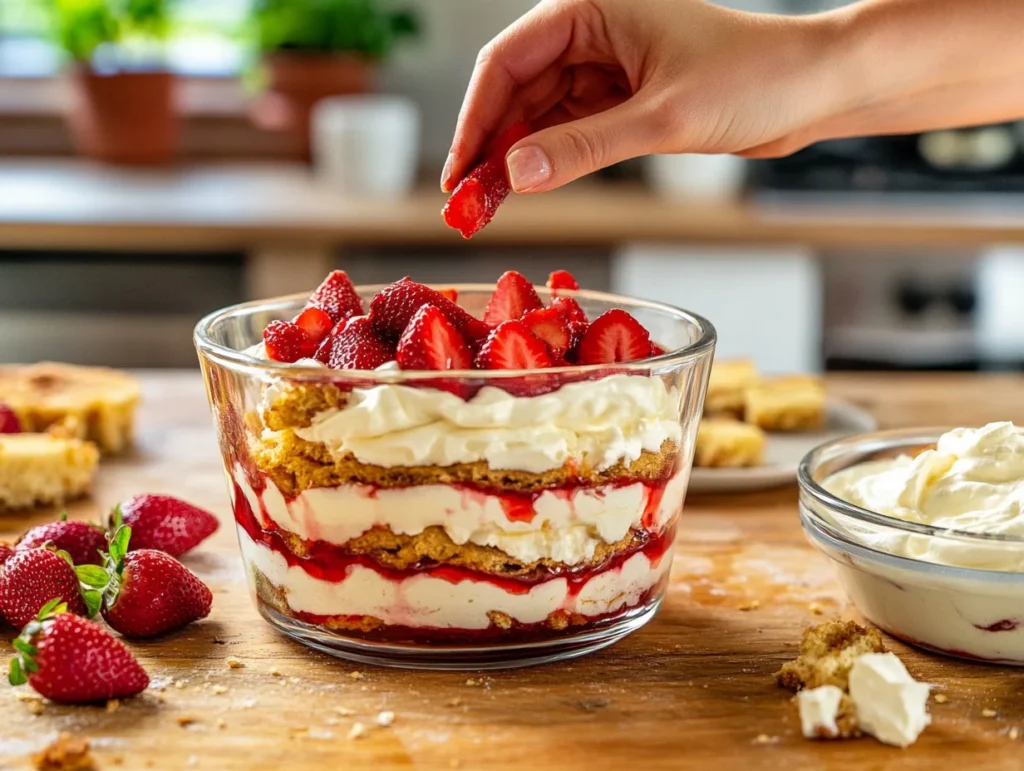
x: 446, y: 172
x: 528, y: 168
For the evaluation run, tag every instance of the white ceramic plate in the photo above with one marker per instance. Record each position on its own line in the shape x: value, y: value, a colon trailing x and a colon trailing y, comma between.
x: 783, y: 453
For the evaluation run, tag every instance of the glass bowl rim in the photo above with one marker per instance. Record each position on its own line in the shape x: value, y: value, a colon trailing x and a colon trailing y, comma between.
x: 877, y: 441
x: 240, y: 360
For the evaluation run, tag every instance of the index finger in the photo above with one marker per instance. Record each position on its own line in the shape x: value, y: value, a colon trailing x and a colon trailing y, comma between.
x: 511, y: 60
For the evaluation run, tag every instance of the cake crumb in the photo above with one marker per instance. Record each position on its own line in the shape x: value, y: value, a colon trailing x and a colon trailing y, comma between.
x: 185, y: 720
x: 356, y: 675
x: 219, y: 689
x: 816, y: 608
x: 179, y: 684
x: 294, y: 680
x: 65, y: 753
x: 275, y: 672
x: 988, y: 713
x: 1014, y: 733
x: 385, y: 718
x: 247, y: 703
x: 941, y: 698
x: 471, y: 682
x: 222, y: 723
x: 763, y: 739
x: 827, y: 652
x: 358, y: 731
x: 234, y: 663
x: 454, y: 702
x: 113, y: 705
x: 345, y: 711
x: 752, y: 605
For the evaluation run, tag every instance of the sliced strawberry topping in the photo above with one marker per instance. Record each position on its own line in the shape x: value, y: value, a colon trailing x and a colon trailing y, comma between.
x: 551, y: 327
x: 9, y: 422
x: 450, y: 294
x: 288, y: 342
x: 477, y: 197
x: 315, y: 322
x: 356, y: 345
x: 657, y: 350
x: 569, y: 308
x: 431, y: 342
x: 562, y: 279
x: 394, y: 306
x: 513, y: 346
x: 513, y: 296
x: 337, y: 297
x: 615, y: 336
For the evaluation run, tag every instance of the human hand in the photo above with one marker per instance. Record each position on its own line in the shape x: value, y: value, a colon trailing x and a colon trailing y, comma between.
x: 608, y: 80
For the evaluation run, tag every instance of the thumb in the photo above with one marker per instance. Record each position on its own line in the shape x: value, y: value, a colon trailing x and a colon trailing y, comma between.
x: 556, y: 156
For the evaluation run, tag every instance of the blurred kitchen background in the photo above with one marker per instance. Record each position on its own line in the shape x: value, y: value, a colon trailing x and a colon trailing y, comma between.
x: 169, y: 157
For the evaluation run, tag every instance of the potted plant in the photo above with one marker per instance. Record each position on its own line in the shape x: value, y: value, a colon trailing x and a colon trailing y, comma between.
x: 123, y: 109
x: 311, y: 49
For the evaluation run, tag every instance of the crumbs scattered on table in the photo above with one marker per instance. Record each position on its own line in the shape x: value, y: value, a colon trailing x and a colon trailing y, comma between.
x: 358, y: 731
x: 1013, y: 733
x: 65, y: 753
x: 219, y: 689
x: 356, y: 675
x: 186, y: 720
x: 113, y: 705
x: 275, y: 672
x: 988, y: 713
x: 940, y: 698
x: 345, y: 711
x: 385, y: 718
x: 234, y: 663
x: 752, y: 605
x: 454, y: 702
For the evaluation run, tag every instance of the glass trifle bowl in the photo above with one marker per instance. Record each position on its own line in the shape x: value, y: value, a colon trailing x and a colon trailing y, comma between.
x: 465, y: 519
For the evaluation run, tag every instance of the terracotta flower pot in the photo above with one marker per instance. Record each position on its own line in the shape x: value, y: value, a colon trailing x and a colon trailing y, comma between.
x: 125, y: 117
x: 297, y: 81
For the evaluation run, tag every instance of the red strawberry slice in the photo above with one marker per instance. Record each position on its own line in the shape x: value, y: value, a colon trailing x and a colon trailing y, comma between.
x: 513, y: 296
x: 431, y: 342
x: 83, y: 541
x: 337, y: 297
x: 357, y: 346
x: 316, y: 323
x: 288, y: 342
x: 562, y: 279
x: 165, y: 523
x: 569, y: 308
x: 73, y: 661
x: 615, y: 336
x: 477, y: 197
x: 9, y: 422
x: 513, y: 346
x: 395, y: 305
x: 147, y: 592
x: 32, y: 578
x: 553, y: 328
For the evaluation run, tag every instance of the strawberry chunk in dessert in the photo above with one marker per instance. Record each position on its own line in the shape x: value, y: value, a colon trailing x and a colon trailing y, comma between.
x: 287, y: 342
x: 31, y: 578
x: 315, y: 322
x: 571, y: 309
x: 614, y: 337
x: 476, y: 198
x: 513, y: 296
x: 562, y: 279
x: 395, y: 305
x: 73, y: 661
x: 164, y: 523
x: 513, y: 346
x: 554, y: 329
x: 146, y: 593
x: 84, y: 542
x: 9, y: 422
x: 355, y: 344
x: 431, y: 342
x: 337, y: 297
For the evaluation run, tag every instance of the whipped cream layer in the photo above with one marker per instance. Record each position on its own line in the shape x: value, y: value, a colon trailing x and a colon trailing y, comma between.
x: 567, y: 527
x: 423, y: 600
x: 600, y: 422
x: 972, y: 481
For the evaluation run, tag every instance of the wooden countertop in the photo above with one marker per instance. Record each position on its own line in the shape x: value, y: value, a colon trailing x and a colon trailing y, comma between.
x: 71, y: 204
x: 693, y: 689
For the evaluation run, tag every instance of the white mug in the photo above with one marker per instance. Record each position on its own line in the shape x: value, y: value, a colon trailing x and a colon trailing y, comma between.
x: 367, y: 145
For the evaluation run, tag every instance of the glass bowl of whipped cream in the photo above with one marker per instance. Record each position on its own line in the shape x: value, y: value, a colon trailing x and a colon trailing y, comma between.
x: 466, y: 519
x: 926, y: 529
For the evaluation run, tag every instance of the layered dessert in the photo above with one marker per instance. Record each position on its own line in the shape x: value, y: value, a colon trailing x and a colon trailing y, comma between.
x: 957, y: 514
x: 475, y: 507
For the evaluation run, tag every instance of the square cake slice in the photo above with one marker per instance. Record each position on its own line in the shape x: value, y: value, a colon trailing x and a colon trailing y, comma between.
x: 725, y: 443
x: 42, y: 470
x: 791, y: 403
x: 727, y: 387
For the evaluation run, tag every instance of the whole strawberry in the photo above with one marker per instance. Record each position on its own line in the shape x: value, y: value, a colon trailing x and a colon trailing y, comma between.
x: 164, y: 523
x: 73, y: 661
x: 33, y: 577
x: 147, y: 592
x: 83, y: 541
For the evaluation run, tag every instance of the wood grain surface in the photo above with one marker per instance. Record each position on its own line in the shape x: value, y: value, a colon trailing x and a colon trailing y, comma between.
x: 694, y: 689
x: 70, y: 204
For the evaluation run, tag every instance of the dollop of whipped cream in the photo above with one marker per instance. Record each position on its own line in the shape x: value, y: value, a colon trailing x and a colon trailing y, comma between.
x: 599, y: 422
x: 972, y: 481
x: 891, y: 705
